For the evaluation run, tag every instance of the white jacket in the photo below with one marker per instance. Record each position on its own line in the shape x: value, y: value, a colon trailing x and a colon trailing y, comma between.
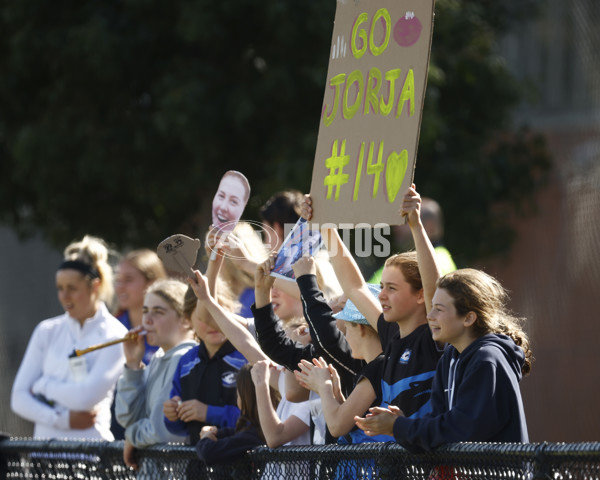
x: 45, y: 389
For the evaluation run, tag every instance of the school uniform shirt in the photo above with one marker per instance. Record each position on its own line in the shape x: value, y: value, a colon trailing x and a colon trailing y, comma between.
x: 408, y: 368
x: 141, y: 394
x: 46, y: 387
x: 476, y: 398
x: 211, y: 381
x: 246, y: 299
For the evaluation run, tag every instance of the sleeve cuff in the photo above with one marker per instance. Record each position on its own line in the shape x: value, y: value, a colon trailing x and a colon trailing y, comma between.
x: 133, y: 375
x: 307, y: 281
x: 256, y: 310
x: 214, y: 414
x: 62, y: 418
x: 400, y: 426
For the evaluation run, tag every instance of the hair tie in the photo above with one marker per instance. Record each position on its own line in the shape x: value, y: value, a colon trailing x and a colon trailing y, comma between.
x: 80, y: 267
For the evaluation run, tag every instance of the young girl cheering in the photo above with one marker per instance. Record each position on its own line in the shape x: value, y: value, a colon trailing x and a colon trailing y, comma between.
x: 475, y: 394
x: 399, y: 314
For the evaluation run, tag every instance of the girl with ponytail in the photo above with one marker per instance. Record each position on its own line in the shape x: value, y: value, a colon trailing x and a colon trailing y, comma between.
x: 64, y: 395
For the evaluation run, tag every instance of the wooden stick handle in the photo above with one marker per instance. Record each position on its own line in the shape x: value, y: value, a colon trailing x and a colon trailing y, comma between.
x: 129, y: 336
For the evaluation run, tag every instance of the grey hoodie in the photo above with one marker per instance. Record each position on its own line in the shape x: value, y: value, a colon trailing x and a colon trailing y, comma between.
x: 140, y: 398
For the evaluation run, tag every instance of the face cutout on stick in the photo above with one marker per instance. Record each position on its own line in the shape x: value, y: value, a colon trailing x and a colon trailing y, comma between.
x: 229, y: 201
x: 178, y: 254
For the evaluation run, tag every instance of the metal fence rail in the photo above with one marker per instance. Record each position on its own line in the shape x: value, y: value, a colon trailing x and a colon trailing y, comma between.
x: 55, y: 459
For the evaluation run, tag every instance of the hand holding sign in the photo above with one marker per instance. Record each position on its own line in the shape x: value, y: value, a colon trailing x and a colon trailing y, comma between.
x: 372, y: 109
x: 300, y: 242
x: 178, y: 254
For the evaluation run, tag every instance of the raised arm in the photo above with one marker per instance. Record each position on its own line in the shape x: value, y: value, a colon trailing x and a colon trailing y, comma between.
x: 277, y: 431
x: 239, y: 336
x: 271, y: 336
x: 214, y: 261
x: 428, y: 268
x: 237, y: 251
x: 346, y: 269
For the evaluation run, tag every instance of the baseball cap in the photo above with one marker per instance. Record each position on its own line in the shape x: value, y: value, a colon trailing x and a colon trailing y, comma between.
x: 351, y: 314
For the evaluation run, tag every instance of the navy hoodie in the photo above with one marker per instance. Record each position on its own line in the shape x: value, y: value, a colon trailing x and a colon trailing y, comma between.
x: 230, y: 445
x: 475, y: 398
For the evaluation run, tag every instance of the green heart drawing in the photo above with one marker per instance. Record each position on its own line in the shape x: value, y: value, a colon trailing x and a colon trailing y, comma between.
x: 395, y: 170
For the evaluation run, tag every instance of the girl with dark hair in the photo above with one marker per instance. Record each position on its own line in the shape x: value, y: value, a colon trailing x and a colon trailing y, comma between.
x: 222, y: 445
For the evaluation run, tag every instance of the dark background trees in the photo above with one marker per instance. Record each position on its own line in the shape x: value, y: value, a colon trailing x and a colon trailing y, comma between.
x: 118, y: 119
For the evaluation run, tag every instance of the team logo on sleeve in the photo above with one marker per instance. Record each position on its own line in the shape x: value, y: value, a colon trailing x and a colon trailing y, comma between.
x: 405, y: 357
x: 228, y: 379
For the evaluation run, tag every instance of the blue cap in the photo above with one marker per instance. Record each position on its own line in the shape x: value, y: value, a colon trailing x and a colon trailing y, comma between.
x: 351, y: 314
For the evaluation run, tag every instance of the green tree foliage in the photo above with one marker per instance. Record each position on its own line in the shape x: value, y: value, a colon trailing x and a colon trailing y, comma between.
x: 479, y: 166
x: 118, y: 118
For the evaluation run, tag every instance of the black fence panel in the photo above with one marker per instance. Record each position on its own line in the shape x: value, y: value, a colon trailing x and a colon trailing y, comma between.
x: 56, y: 459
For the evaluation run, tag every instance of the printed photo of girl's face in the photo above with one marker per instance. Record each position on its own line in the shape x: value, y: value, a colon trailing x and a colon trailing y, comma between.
x: 229, y: 202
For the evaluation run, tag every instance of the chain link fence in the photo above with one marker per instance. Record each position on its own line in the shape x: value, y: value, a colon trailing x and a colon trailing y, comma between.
x: 54, y: 459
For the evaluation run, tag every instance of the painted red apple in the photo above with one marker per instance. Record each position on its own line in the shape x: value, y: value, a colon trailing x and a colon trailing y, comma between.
x: 407, y: 30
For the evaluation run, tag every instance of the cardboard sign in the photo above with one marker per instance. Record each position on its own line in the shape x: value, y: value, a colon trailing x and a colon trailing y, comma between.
x: 299, y: 242
x: 372, y: 109
x: 178, y: 254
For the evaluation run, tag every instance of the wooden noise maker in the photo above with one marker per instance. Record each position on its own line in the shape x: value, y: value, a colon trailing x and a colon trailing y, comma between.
x: 129, y: 336
x: 178, y: 254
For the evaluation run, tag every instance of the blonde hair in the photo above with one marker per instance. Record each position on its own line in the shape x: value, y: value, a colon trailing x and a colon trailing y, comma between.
x: 225, y: 297
x: 237, y: 278
x: 148, y: 263
x: 476, y: 291
x: 294, y: 322
x: 171, y: 291
x: 93, y: 251
x: 368, y: 328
